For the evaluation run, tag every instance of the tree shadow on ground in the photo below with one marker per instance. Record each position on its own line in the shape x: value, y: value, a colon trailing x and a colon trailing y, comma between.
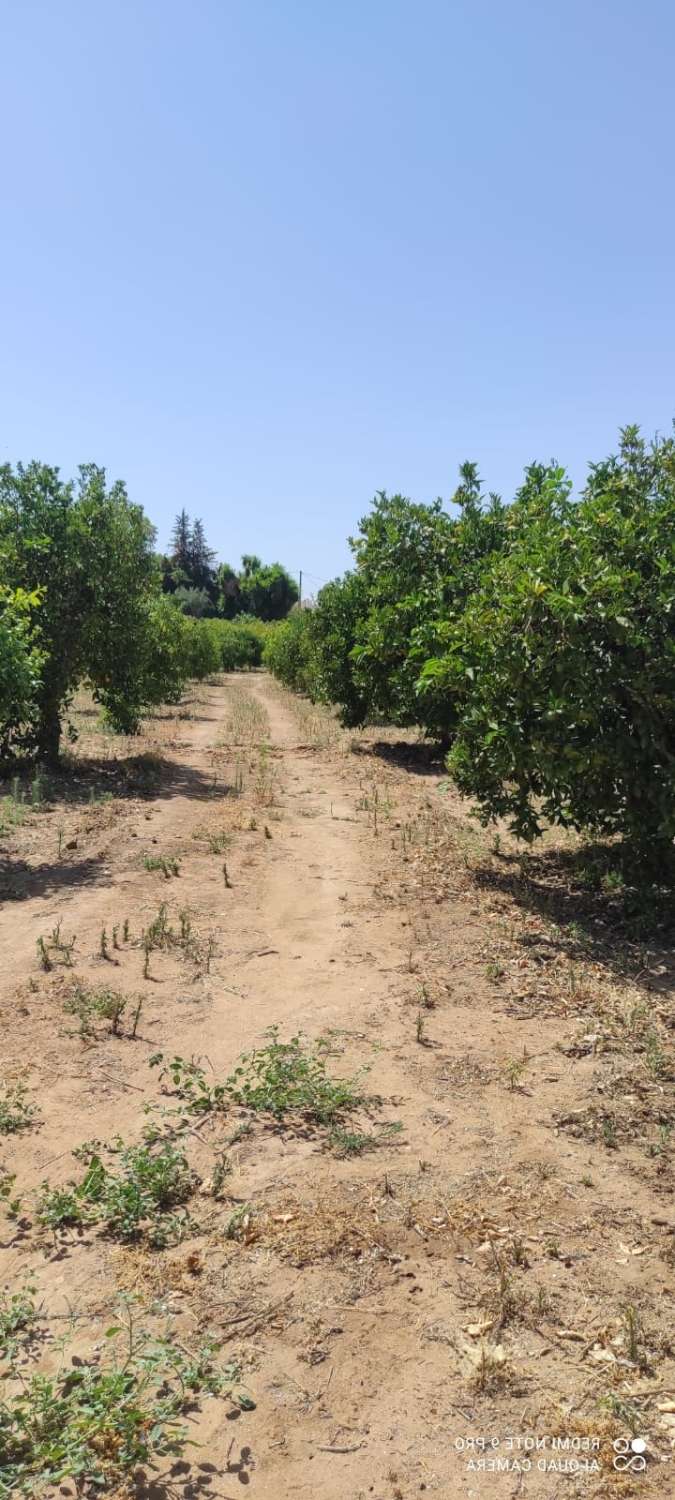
x: 20, y: 881
x: 420, y: 759
x: 603, y: 913
x: 94, y: 779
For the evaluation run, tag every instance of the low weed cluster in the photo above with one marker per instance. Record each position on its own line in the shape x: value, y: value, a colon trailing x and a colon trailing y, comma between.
x: 18, y: 1316
x: 91, y: 1004
x: 95, y: 1421
x: 167, y: 866
x: 135, y: 1201
x: 248, y: 721
x: 189, y: 1082
x: 16, y: 1111
x: 280, y: 1079
x: 292, y: 1078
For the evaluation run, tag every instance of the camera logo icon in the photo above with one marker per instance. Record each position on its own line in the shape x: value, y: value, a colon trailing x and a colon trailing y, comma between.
x: 630, y: 1454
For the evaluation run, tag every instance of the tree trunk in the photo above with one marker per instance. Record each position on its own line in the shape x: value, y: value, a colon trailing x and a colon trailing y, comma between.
x: 49, y: 733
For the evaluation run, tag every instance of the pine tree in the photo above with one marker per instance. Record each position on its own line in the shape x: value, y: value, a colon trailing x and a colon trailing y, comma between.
x: 201, y: 558
x: 181, y: 542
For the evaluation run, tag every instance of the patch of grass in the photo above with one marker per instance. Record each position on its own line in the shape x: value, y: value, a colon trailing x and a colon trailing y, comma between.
x: 248, y: 721
x: 167, y: 866
x: 95, y: 1421
x: 218, y: 842
x: 133, y: 1202
x: 346, y: 1143
x: 16, y: 1111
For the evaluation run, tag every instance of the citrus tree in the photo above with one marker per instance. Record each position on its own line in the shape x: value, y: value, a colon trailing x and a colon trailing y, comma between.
x: 88, y: 551
x: 564, y: 660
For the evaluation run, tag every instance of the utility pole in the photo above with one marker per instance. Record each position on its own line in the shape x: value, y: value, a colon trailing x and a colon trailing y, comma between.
x: 300, y: 591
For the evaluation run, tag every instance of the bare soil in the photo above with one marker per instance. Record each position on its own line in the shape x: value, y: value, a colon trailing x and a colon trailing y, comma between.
x: 484, y: 1259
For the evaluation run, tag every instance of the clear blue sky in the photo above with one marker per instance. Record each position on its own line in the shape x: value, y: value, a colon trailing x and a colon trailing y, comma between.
x: 262, y: 259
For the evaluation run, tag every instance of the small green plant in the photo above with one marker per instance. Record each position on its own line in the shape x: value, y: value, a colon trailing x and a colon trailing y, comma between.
x: 96, y: 1421
x: 609, y: 1135
x: 238, y: 1222
x: 16, y: 1111
x: 94, y: 1004
x: 633, y: 1337
x: 103, y: 943
x: 189, y: 1082
x: 168, y: 867
x: 514, y: 1068
x: 18, y: 1316
x: 218, y: 842
x: 221, y: 1171
x: 55, y: 946
x: 159, y: 934
x: 662, y: 1145
x: 37, y: 790
x: 43, y: 955
x: 125, y: 930
x: 292, y: 1077
x: 133, y: 1202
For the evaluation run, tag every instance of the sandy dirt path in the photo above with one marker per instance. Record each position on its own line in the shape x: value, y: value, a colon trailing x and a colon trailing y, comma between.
x: 355, y: 1291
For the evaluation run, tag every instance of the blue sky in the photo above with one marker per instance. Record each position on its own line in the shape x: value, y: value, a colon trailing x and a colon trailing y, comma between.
x: 263, y: 259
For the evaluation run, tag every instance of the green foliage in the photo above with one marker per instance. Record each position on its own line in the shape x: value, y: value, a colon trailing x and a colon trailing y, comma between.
x: 87, y: 550
x: 135, y: 1200
x: 165, y: 665
x: 96, y: 1421
x: 240, y: 643
x: 417, y: 566
x: 267, y: 592
x: 16, y: 1110
x: 20, y: 663
x: 288, y: 652
x: 333, y: 626
x: 292, y: 1077
x: 91, y: 1004
x: 189, y: 1082
x: 564, y: 660
x: 194, y: 602
x: 18, y: 1316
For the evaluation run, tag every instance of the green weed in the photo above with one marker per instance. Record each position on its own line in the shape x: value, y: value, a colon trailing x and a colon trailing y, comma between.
x: 96, y: 1421
x: 133, y: 1202
x: 292, y: 1077
x: 16, y: 1112
x: 168, y: 867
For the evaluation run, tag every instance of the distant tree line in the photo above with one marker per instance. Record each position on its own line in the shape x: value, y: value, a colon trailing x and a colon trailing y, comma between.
x: 205, y: 589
